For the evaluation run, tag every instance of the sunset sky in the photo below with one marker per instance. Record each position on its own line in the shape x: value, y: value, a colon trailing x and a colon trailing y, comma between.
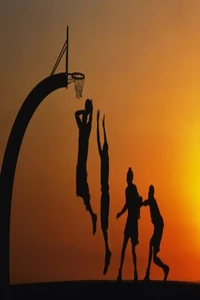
x: 141, y: 59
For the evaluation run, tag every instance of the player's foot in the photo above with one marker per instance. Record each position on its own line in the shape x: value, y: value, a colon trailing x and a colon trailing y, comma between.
x: 107, y: 262
x: 119, y: 277
x: 94, y: 221
x: 135, y: 276
x: 166, y: 271
x: 146, y: 278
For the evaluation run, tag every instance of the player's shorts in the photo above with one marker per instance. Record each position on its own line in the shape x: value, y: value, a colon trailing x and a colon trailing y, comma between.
x: 157, y: 237
x: 82, y: 188
x: 105, y: 206
x: 131, y: 231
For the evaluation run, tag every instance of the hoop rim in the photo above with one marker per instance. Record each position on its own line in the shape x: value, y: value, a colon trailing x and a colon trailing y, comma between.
x: 77, y: 75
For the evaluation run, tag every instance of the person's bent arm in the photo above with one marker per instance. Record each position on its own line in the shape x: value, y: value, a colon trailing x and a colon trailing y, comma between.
x: 145, y: 203
x: 122, y: 211
x: 77, y: 116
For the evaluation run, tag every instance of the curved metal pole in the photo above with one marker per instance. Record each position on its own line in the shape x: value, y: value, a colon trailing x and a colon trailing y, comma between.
x: 36, y: 96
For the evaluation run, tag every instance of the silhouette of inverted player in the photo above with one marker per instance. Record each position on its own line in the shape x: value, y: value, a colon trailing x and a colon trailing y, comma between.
x: 133, y: 203
x: 84, y: 126
x: 105, y: 197
x: 155, y: 241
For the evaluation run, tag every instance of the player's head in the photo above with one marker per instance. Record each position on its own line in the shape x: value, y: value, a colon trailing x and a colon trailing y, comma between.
x: 151, y: 190
x: 129, y: 176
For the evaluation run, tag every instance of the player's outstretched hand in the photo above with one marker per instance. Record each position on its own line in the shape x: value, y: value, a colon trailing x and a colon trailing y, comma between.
x: 103, y: 121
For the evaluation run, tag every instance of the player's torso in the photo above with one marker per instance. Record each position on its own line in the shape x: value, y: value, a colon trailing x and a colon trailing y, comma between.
x: 156, y: 217
x: 132, y: 201
x: 104, y: 168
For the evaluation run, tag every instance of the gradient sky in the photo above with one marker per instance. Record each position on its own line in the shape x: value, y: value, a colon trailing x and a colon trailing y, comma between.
x: 141, y: 59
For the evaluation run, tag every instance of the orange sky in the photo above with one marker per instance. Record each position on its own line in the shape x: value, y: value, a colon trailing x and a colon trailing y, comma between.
x: 142, y: 65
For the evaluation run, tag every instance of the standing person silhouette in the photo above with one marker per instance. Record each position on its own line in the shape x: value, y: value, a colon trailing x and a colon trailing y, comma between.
x: 84, y: 126
x: 154, y: 245
x: 133, y: 203
x: 105, y: 197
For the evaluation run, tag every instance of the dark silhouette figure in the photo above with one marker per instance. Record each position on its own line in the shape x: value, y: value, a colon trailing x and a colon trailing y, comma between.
x: 154, y: 245
x: 133, y: 203
x: 84, y: 125
x: 105, y: 197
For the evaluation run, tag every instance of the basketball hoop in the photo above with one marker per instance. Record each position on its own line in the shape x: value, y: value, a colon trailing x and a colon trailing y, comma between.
x: 78, y: 79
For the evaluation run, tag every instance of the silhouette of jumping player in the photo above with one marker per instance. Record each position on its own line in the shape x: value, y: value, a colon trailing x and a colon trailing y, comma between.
x: 84, y: 126
x: 133, y: 203
x: 105, y: 197
x: 155, y: 241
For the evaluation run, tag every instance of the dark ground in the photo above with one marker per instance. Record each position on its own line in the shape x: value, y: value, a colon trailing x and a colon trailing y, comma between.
x: 106, y: 290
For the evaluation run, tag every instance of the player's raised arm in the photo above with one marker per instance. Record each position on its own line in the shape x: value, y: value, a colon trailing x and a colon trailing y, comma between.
x: 90, y: 114
x: 104, y: 131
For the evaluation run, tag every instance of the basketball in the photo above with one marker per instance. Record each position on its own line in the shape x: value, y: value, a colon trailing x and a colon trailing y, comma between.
x: 88, y: 105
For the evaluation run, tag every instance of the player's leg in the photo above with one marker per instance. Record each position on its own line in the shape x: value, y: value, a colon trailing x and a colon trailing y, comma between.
x: 126, y: 238
x: 108, y: 253
x: 147, y: 276
x: 87, y: 203
x: 156, y: 259
x: 134, y: 243
x: 105, y: 203
x: 94, y: 218
x: 160, y: 264
x: 86, y: 200
x: 107, y: 249
x: 82, y: 190
x: 134, y: 261
x: 105, y: 237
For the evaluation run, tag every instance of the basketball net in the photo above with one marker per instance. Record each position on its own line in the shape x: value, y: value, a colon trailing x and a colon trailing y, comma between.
x: 78, y: 87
